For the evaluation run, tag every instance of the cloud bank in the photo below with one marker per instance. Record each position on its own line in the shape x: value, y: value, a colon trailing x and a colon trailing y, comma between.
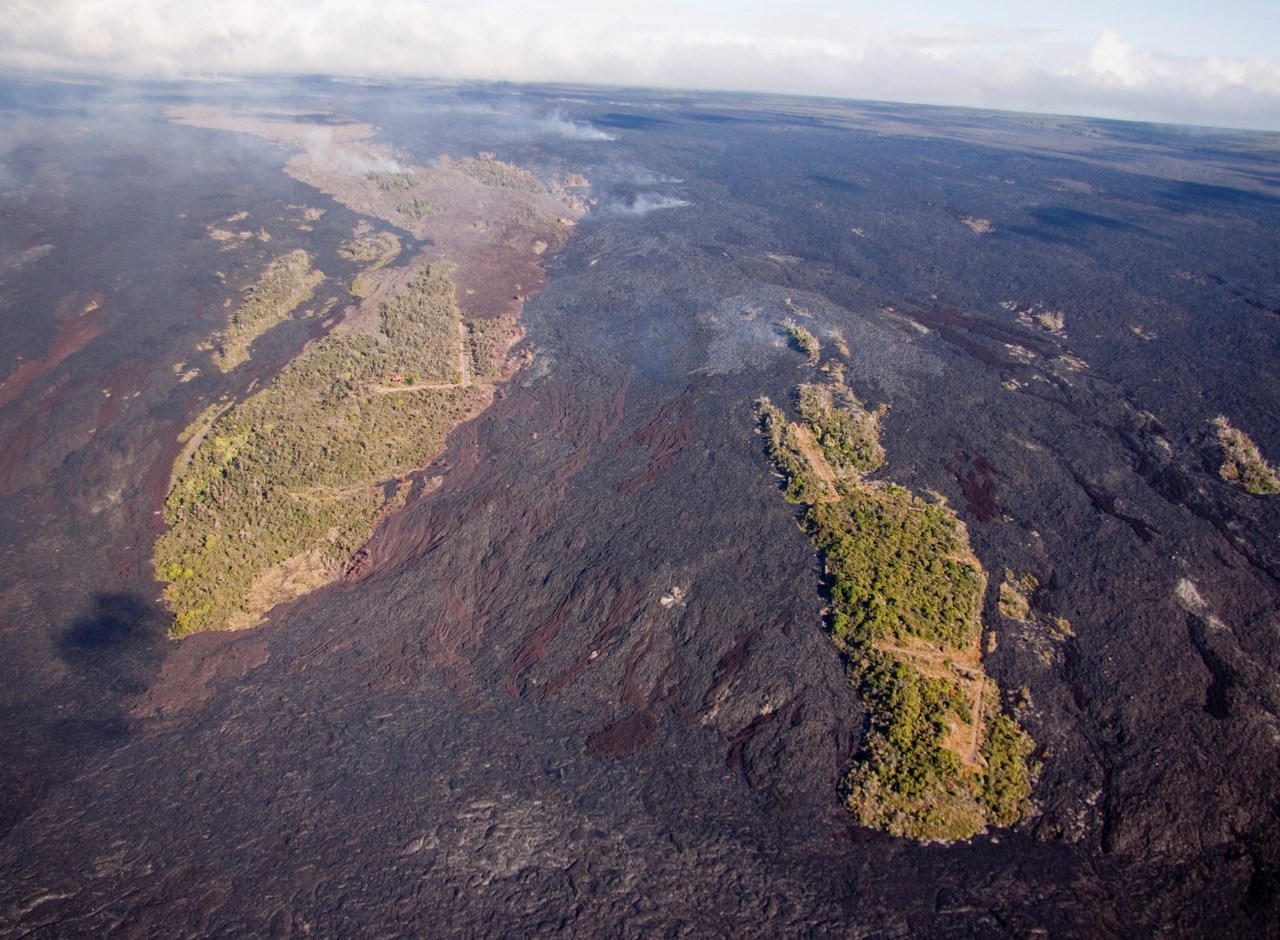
x: 820, y: 49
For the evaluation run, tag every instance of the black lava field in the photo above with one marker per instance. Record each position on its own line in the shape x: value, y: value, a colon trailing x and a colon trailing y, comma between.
x: 582, y: 681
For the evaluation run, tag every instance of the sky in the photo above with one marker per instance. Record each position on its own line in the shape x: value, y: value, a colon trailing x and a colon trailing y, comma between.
x: 1178, y: 61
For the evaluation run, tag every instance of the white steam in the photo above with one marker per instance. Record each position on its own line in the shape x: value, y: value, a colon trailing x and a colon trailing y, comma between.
x: 644, y: 204
x: 557, y: 125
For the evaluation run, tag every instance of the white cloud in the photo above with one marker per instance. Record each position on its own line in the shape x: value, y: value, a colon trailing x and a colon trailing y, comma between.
x: 813, y: 48
x: 1112, y: 61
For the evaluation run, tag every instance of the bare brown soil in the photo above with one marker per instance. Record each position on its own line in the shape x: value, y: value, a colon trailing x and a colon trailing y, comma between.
x: 665, y: 437
x: 817, y: 461
x: 187, y: 678
x: 279, y: 125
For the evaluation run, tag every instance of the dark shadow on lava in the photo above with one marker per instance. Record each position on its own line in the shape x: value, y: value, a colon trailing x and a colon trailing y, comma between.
x: 834, y: 182
x: 107, y: 636
x: 1190, y: 196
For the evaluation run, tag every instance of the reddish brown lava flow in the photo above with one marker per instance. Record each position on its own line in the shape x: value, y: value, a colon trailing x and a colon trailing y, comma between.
x: 619, y: 617
x: 578, y: 425
x: 628, y: 735
x: 665, y: 437
x: 730, y: 663
x: 186, y: 679
x: 740, y: 740
x: 129, y: 378
x: 13, y: 457
x: 631, y: 693
x: 455, y: 624
x: 207, y: 301
x: 976, y: 478
x: 19, y: 445
x: 534, y: 648
x: 72, y: 337
x: 623, y: 737
x: 484, y: 276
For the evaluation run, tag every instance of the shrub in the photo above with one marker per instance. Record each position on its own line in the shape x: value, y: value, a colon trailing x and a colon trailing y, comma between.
x: 805, y: 341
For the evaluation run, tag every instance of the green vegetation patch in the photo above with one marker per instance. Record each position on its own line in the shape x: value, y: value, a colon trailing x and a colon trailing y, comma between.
x: 416, y: 208
x: 287, y: 282
x: 1014, y: 602
x: 380, y: 248
x: 1244, y: 464
x: 803, y: 485
x: 847, y: 432
x: 1006, y: 782
x: 393, y: 181
x: 900, y: 568
x: 804, y: 340
x: 423, y: 324
x: 1015, y: 596
x: 488, y: 342
x: 303, y: 468
x: 906, y: 780
x: 939, y: 761
x: 490, y: 171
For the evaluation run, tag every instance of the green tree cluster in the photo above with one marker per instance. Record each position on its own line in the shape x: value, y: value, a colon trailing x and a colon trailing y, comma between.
x: 804, y: 340
x: 803, y: 485
x: 393, y: 181
x: 907, y: 781
x: 905, y: 590
x: 492, y: 172
x: 287, y: 282
x: 305, y: 466
x: 847, y: 432
x: 380, y: 248
x: 899, y: 568
x: 416, y: 208
x: 422, y: 325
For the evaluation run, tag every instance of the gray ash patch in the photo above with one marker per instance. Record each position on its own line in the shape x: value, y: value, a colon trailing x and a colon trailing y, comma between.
x: 745, y: 333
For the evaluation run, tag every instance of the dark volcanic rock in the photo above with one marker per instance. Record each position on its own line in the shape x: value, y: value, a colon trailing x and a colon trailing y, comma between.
x: 584, y: 685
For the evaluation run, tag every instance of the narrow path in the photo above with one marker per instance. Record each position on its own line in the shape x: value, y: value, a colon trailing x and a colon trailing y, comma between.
x: 975, y: 752
x: 193, y: 444
x: 813, y: 455
x: 464, y: 361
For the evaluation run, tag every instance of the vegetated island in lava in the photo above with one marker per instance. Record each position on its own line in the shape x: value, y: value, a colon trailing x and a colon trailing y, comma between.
x: 1243, y: 463
x: 940, y: 761
x: 273, y: 495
